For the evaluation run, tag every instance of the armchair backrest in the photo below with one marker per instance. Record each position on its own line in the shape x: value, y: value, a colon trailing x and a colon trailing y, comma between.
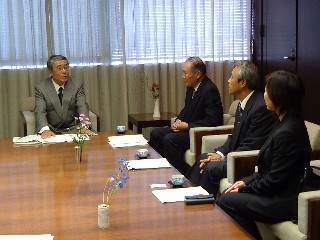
x: 229, y: 117
x: 314, y: 137
x: 27, y: 104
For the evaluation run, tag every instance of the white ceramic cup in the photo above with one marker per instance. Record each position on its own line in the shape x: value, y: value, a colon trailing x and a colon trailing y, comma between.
x: 177, y: 179
x: 142, y: 153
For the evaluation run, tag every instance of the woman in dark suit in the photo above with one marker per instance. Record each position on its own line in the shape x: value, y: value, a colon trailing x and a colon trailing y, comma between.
x: 269, y: 195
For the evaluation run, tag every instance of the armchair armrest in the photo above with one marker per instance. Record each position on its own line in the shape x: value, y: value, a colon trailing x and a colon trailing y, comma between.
x: 244, y: 162
x: 309, y: 214
x: 28, y: 122
x: 197, y: 133
x: 95, y: 120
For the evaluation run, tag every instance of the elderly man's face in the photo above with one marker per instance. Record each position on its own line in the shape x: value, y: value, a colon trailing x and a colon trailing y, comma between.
x: 60, y: 72
x: 190, y: 77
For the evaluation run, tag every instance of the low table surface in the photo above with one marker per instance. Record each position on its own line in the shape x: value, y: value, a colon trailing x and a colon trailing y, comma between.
x: 43, y: 190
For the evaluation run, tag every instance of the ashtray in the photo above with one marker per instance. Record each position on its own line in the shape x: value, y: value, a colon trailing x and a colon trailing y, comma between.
x: 137, y: 157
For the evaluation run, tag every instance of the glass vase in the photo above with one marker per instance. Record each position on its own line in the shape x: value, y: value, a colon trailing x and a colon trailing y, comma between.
x: 103, y: 216
x: 78, y: 153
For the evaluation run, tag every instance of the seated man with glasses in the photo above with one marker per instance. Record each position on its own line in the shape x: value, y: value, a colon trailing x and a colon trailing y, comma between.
x: 59, y: 99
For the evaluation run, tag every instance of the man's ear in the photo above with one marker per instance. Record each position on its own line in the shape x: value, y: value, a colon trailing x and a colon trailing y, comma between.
x: 243, y: 83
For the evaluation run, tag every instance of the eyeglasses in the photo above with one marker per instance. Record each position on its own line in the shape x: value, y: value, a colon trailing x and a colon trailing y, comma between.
x: 60, y: 68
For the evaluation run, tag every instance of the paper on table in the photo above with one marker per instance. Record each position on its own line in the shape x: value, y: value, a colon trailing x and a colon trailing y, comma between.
x: 148, y: 163
x: 27, y: 237
x: 177, y: 194
x: 36, y: 139
x: 127, y: 140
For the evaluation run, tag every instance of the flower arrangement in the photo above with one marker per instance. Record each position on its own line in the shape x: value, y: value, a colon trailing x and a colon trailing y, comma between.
x: 154, y: 88
x: 115, y: 181
x: 83, y: 123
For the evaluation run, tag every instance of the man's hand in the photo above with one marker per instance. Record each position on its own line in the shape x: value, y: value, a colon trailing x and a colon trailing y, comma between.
x: 211, y: 157
x: 178, y: 126
x: 89, y: 132
x: 47, y: 133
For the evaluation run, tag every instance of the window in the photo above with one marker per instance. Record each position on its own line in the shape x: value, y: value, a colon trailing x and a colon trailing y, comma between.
x: 123, y: 31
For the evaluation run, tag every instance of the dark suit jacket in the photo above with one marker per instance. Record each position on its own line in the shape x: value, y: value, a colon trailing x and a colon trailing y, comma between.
x: 281, y: 163
x: 205, y: 109
x: 254, y: 127
x: 48, y: 110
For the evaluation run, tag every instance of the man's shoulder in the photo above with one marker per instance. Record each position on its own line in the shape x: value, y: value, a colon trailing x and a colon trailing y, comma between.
x: 43, y: 82
x: 207, y: 83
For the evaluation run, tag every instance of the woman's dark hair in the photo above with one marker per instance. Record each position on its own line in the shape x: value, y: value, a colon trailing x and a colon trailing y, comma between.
x: 285, y: 90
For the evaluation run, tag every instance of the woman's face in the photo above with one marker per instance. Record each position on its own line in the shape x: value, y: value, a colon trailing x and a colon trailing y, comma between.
x: 268, y: 101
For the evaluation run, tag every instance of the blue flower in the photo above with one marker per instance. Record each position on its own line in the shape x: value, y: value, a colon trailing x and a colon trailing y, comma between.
x: 115, y: 181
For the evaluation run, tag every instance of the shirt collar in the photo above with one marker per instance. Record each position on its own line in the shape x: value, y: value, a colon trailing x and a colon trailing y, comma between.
x: 56, y: 86
x: 244, y: 101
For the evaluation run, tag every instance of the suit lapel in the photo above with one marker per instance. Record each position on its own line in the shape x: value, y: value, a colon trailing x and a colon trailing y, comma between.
x: 67, y: 95
x: 245, y: 112
x: 52, y: 94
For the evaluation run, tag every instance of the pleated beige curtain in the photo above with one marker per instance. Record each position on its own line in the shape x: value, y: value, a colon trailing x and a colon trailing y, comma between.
x: 112, y: 92
x: 108, y: 51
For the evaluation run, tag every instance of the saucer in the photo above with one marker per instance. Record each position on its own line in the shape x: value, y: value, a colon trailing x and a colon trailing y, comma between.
x: 177, y: 186
x: 137, y: 157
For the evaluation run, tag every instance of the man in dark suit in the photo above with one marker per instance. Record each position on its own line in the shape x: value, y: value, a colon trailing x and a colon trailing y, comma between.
x: 58, y: 100
x: 203, y: 107
x: 270, y: 194
x: 253, y: 123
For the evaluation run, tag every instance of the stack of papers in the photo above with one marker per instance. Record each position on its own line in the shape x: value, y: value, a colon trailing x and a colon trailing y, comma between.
x: 36, y: 139
x: 148, y: 163
x: 178, y: 194
x: 127, y: 141
x: 27, y: 237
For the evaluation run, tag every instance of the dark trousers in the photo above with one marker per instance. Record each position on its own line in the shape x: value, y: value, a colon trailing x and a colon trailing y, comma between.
x: 236, y: 205
x: 172, y: 146
x: 211, y: 175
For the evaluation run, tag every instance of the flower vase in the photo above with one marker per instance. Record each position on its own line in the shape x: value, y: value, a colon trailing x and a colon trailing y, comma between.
x: 156, y: 110
x: 103, y: 216
x: 78, y: 153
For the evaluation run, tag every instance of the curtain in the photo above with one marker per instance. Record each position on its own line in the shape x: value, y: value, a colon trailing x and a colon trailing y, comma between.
x: 109, y: 43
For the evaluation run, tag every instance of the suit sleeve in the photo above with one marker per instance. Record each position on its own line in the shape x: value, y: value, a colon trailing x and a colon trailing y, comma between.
x: 81, y: 103
x: 259, y: 126
x: 212, y: 110
x: 40, y: 109
x: 286, y: 163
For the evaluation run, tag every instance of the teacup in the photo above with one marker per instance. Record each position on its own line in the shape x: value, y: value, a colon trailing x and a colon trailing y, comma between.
x: 121, y: 129
x: 177, y: 179
x: 142, y: 153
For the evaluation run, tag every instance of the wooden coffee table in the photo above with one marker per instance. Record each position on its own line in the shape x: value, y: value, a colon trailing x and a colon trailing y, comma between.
x: 43, y: 190
x: 146, y: 120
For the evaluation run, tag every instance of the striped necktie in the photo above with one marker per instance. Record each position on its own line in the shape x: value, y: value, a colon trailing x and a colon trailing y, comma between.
x: 60, y: 95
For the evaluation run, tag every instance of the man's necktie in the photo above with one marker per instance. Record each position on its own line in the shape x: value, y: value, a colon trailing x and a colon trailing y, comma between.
x: 60, y: 95
x: 239, y: 112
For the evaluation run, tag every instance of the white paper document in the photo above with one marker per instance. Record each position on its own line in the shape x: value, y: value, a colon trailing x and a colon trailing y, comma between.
x: 36, y: 139
x: 127, y: 140
x: 27, y: 237
x: 148, y: 163
x: 177, y: 194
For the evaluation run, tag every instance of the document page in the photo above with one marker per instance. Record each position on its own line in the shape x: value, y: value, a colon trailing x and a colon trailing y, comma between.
x: 148, y: 163
x: 178, y: 194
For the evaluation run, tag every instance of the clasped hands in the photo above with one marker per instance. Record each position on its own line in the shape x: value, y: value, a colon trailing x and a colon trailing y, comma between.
x: 211, y: 157
x: 178, y: 126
